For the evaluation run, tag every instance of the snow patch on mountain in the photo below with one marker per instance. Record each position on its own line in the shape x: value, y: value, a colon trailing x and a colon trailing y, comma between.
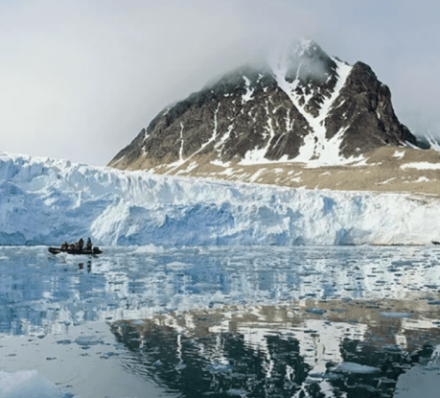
x: 46, y: 201
x: 421, y: 166
x: 317, y: 149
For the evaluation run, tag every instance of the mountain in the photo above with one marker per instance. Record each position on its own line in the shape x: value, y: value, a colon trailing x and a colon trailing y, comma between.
x: 302, y: 106
x: 47, y: 201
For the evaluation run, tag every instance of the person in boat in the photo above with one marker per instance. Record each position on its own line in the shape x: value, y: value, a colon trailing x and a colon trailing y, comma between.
x: 79, y: 245
x: 71, y: 247
x: 64, y: 246
x: 89, y: 244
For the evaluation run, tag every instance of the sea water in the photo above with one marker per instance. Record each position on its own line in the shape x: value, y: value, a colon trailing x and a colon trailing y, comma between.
x: 155, y: 321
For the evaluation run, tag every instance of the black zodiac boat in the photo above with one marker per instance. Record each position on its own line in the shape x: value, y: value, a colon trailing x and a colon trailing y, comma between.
x: 56, y: 250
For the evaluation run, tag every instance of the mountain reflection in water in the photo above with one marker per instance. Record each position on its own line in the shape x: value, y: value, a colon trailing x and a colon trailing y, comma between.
x: 224, y: 321
x: 280, y: 351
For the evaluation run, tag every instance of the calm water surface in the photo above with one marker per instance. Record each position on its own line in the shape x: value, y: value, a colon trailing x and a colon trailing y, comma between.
x: 223, y: 321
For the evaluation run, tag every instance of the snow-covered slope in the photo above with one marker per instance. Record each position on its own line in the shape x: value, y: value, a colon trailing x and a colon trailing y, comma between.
x: 46, y: 201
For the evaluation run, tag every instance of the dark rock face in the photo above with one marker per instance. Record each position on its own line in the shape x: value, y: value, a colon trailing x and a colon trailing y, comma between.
x: 368, y: 113
x: 294, y: 108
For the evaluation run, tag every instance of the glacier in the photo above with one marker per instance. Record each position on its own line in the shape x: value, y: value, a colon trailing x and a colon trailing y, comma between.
x: 46, y: 201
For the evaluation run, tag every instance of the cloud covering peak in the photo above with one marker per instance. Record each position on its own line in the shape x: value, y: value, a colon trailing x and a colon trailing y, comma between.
x: 80, y: 78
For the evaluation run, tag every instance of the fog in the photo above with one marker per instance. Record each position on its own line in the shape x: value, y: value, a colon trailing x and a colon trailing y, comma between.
x: 80, y: 78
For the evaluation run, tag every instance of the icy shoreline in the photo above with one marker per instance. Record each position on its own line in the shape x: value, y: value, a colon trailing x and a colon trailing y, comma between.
x: 46, y: 201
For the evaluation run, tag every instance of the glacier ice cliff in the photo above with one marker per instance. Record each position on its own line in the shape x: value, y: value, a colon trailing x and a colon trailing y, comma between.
x: 46, y: 201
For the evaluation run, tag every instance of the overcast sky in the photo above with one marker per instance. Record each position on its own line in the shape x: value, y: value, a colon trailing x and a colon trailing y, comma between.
x: 80, y: 78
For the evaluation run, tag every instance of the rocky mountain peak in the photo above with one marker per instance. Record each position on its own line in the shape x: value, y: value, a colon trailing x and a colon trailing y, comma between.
x: 301, y: 106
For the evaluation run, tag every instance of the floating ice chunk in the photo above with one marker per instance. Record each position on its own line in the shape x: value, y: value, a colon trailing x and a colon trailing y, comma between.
x: 88, y: 340
x: 218, y: 367
x: 396, y: 314
x: 317, y: 311
x: 180, y: 366
x: 431, y: 368
x: 28, y: 384
x: 149, y: 249
x: 64, y: 342
x: 178, y: 265
x: 391, y: 348
x: 237, y: 392
x: 351, y: 367
x: 325, y: 376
